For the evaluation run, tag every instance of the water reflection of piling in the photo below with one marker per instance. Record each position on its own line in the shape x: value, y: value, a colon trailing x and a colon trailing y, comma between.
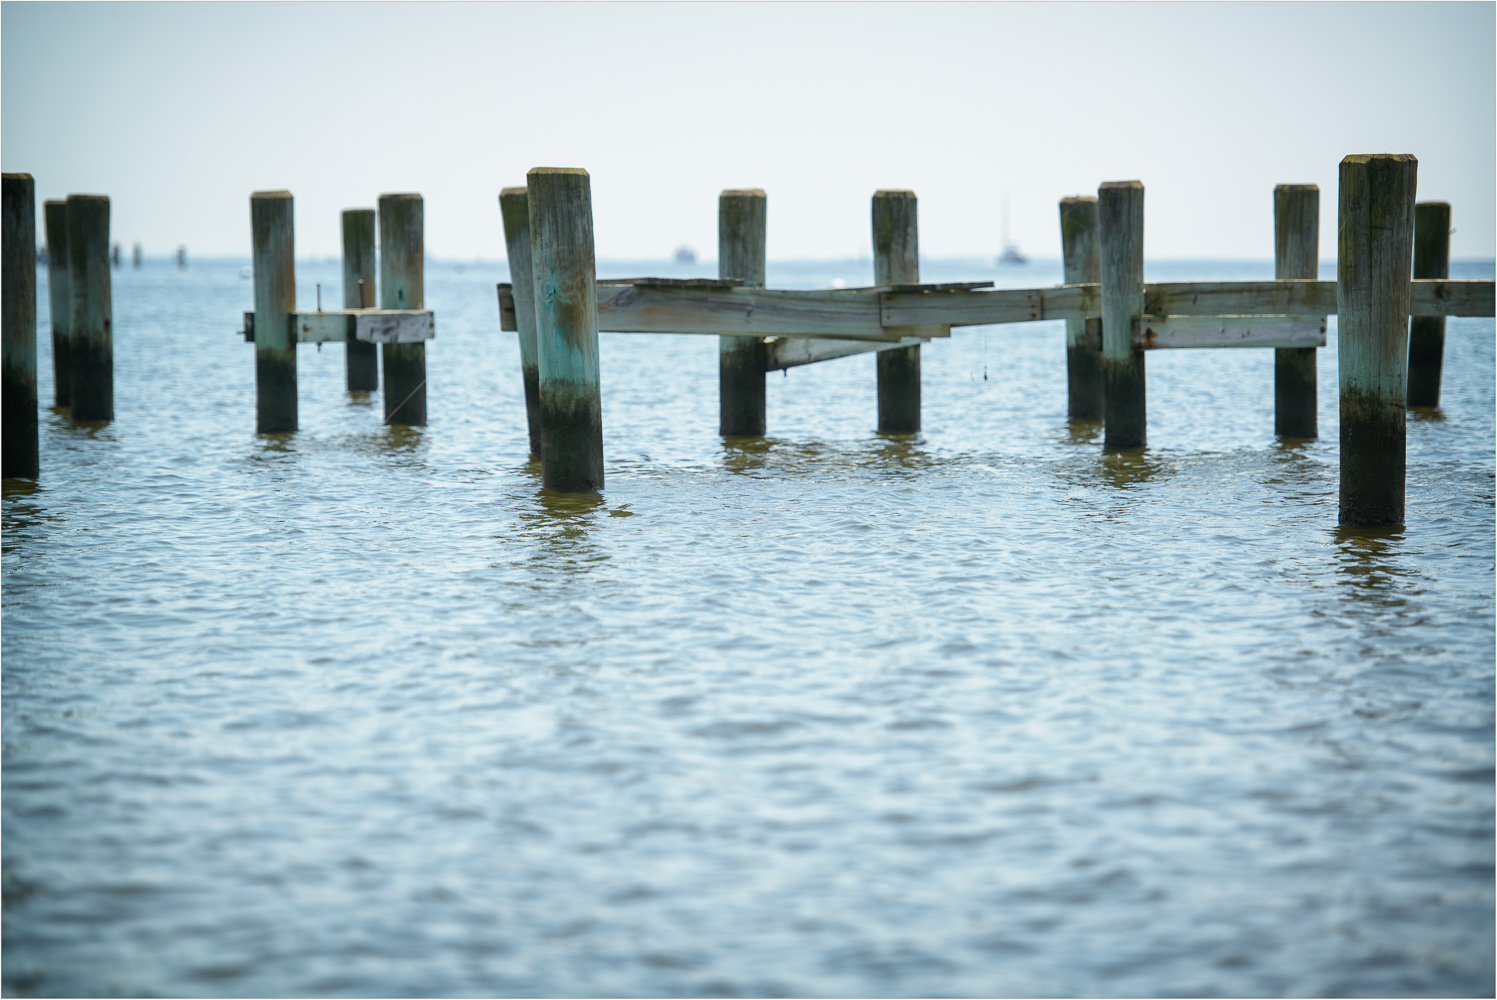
x: 1427, y: 333
x: 91, y: 393
x: 361, y: 362
x: 1374, y: 264
x: 1296, y: 254
x: 18, y: 419
x: 896, y: 260
x: 742, y: 223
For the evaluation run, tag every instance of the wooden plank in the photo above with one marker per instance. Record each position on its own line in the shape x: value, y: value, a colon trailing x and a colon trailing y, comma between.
x: 1154, y: 333
x: 394, y: 326
x: 1240, y: 298
x: 1451, y: 298
x: 752, y: 312
x: 782, y: 354
x: 971, y: 307
x: 676, y: 282
x: 507, y: 308
x: 321, y: 327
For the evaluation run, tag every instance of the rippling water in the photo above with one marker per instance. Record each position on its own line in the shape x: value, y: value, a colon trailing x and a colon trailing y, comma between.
x: 366, y: 711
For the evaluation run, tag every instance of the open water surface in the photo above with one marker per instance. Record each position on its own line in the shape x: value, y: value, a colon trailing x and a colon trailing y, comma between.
x: 365, y: 710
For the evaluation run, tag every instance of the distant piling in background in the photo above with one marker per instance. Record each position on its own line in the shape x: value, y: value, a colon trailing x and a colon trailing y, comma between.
x: 514, y: 209
x: 1373, y: 298
x: 181, y: 258
x: 114, y: 255
x: 361, y: 360
x: 896, y: 260
x: 59, y: 300
x: 91, y: 392
x: 1296, y: 254
x: 1120, y: 217
x: 1427, y: 333
x: 19, y: 453
x: 1082, y: 264
x: 742, y: 227
x: 275, y: 300
x: 566, y: 310
x: 135, y: 256
x: 402, y: 284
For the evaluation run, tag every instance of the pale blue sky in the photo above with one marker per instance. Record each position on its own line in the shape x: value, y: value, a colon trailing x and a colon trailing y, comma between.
x: 179, y: 111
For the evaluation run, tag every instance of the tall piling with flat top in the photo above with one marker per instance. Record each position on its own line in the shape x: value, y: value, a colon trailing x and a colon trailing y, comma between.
x: 275, y: 300
x: 514, y: 208
x: 1082, y: 265
x: 741, y: 232
x: 59, y: 299
x: 1374, y: 261
x: 896, y: 260
x: 566, y: 328
x: 402, y: 285
x: 1296, y: 254
x: 91, y: 390
x: 1120, y: 225
x: 361, y: 362
x: 1427, y: 333
x: 18, y: 421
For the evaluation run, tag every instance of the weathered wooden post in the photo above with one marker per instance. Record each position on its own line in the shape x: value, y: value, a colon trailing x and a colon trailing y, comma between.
x: 91, y: 391
x: 181, y: 258
x: 566, y: 328
x: 741, y: 233
x: 275, y: 300
x: 1082, y: 265
x: 1120, y: 217
x: 1427, y: 333
x: 59, y: 299
x: 896, y: 260
x: 514, y: 208
x: 1374, y: 260
x: 18, y: 421
x: 361, y: 363
x: 1296, y: 254
x: 135, y: 256
x: 402, y: 285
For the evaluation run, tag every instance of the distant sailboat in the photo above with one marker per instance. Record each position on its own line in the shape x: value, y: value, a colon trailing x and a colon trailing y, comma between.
x: 1011, y: 252
x: 685, y: 255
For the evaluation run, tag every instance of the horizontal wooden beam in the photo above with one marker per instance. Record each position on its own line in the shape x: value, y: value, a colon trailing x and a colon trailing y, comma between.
x: 1154, y: 333
x: 1240, y: 298
x: 973, y: 307
x: 372, y: 326
x: 782, y: 354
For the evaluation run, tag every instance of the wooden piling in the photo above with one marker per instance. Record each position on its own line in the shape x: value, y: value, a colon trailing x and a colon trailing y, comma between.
x: 741, y: 233
x: 59, y: 299
x: 402, y: 285
x: 1120, y: 218
x: 181, y: 258
x: 566, y: 328
x: 275, y: 300
x: 91, y: 389
x: 361, y: 360
x: 1296, y: 254
x: 1082, y: 265
x: 1374, y: 258
x: 514, y: 209
x: 135, y: 256
x: 896, y: 260
x: 1427, y: 333
x: 18, y: 419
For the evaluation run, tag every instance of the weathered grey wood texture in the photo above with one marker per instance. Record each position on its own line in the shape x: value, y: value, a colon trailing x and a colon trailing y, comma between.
x: 59, y: 299
x: 1296, y: 254
x: 1153, y: 333
x: 91, y: 389
x: 1082, y: 264
x: 1120, y: 211
x: 1374, y: 259
x: 1427, y: 333
x: 566, y: 328
x: 275, y: 301
x: 402, y: 285
x: 360, y: 239
x: 514, y: 209
x: 19, y: 448
x: 742, y: 230
x: 896, y: 259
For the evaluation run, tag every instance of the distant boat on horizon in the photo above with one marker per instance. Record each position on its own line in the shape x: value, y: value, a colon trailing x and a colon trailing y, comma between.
x: 685, y: 255
x: 1011, y: 252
